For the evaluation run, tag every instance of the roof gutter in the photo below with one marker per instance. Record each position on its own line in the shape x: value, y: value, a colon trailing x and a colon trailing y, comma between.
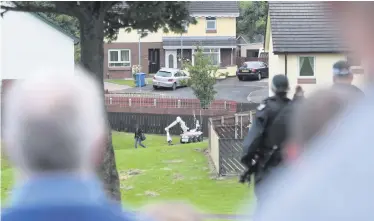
x: 307, y: 52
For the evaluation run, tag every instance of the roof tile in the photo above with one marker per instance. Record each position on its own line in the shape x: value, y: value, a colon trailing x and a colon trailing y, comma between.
x: 303, y: 27
x: 214, y: 7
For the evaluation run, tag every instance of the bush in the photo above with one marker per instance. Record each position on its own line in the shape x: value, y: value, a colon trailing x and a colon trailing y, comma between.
x: 202, y: 78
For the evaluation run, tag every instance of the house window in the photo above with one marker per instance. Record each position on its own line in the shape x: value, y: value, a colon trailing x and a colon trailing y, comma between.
x: 213, y: 54
x: 306, y: 66
x: 171, y: 61
x: 119, y: 58
x: 211, y: 24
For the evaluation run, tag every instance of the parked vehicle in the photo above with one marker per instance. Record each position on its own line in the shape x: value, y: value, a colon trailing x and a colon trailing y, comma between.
x: 253, y: 69
x: 170, y: 78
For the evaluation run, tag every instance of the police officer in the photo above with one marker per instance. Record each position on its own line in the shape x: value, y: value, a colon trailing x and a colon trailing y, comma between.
x: 259, y: 146
x: 343, y: 78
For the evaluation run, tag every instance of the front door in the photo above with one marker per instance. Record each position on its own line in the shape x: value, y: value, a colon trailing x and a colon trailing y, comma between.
x: 171, y: 59
x: 154, y: 60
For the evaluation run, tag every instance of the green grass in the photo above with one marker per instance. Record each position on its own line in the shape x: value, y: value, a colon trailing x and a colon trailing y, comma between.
x: 130, y: 83
x: 178, y: 172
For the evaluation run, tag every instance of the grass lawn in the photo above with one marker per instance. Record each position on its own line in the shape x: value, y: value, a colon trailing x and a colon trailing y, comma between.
x: 162, y: 172
x: 130, y: 83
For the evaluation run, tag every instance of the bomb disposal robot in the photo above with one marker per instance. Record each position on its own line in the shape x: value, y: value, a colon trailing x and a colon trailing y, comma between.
x: 187, y: 136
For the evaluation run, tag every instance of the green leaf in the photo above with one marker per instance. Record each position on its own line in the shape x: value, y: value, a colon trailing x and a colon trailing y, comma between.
x: 202, y: 77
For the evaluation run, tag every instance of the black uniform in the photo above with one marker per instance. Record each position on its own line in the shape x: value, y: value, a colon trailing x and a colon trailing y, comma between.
x: 260, y: 156
x: 258, y: 145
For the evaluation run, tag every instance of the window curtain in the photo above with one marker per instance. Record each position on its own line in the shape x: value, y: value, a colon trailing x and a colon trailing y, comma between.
x: 125, y: 56
x: 114, y: 56
x: 302, y: 59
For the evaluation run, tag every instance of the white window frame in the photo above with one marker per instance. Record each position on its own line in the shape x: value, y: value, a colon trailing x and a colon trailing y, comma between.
x: 216, y: 52
x: 215, y: 24
x: 119, y: 57
x: 298, y: 66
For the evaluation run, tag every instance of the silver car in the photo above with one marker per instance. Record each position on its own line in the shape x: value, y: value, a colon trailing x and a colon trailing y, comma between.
x: 170, y: 78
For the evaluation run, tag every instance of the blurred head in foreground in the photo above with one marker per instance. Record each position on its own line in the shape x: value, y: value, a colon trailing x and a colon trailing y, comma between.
x: 355, y: 23
x: 313, y: 115
x: 54, y: 124
x: 172, y: 211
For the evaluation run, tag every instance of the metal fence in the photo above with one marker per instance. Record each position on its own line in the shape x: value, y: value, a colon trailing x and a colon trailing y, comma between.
x: 154, y: 101
x: 226, y: 136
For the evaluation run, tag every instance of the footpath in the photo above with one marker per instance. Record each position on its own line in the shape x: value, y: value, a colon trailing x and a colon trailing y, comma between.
x: 114, y: 87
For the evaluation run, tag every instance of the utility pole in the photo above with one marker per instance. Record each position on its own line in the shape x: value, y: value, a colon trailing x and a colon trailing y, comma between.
x: 139, y: 52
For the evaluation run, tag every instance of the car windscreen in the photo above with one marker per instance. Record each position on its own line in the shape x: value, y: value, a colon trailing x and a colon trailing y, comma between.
x: 163, y: 74
x: 252, y: 65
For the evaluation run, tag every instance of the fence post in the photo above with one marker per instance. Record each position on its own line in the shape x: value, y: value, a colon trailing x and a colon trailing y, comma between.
x: 155, y: 102
x: 225, y: 105
x: 110, y: 100
x: 130, y: 102
x: 222, y: 120
x: 179, y: 103
x: 236, y: 126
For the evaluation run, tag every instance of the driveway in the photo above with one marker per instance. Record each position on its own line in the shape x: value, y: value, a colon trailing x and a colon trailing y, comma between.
x: 228, y: 89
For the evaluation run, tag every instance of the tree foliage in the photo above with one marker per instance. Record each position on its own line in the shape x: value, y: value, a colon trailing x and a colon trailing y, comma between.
x: 252, y: 19
x: 105, y: 18
x: 202, y: 77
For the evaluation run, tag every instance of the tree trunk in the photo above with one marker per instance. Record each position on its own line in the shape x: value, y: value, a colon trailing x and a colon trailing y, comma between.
x: 92, y: 58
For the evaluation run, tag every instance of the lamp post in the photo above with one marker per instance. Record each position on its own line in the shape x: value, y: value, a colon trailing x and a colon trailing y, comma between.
x: 140, y: 33
x: 181, y: 51
x: 139, y: 52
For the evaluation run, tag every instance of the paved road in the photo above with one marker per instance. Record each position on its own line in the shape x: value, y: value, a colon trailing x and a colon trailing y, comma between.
x: 228, y: 89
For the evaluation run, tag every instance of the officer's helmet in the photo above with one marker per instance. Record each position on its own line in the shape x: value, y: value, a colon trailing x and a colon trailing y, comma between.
x: 280, y: 84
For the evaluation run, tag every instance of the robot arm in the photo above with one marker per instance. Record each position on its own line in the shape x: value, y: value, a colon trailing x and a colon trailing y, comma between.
x: 182, y: 124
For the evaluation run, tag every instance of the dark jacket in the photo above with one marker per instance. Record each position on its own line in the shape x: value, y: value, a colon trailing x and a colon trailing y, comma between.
x: 257, y: 140
x: 138, y: 133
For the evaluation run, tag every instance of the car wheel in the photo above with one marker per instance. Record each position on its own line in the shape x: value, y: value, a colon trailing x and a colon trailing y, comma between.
x: 200, y: 138
x: 174, y: 86
x: 259, y: 76
x: 155, y: 87
x: 240, y: 78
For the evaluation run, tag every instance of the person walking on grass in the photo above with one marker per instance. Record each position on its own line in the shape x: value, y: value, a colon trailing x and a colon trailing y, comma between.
x: 54, y: 131
x: 139, y: 137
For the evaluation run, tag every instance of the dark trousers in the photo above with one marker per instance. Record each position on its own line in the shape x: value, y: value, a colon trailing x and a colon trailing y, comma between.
x: 138, y: 141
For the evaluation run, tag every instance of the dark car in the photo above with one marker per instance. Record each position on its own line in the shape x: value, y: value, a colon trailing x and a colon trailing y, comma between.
x: 253, y: 70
